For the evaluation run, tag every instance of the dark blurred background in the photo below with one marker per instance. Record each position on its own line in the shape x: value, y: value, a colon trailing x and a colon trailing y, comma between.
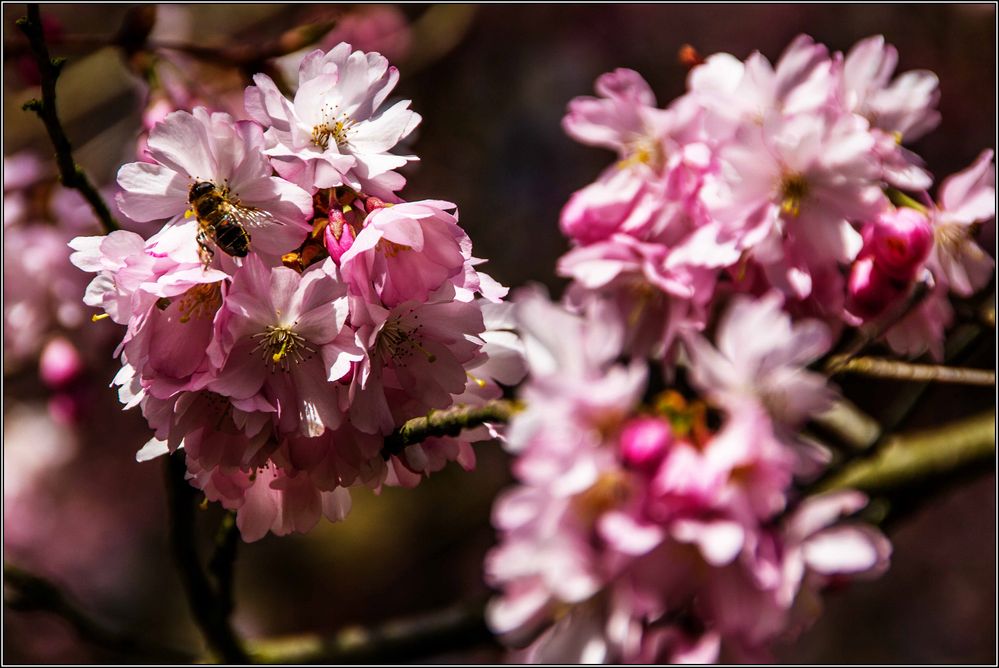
x: 491, y: 83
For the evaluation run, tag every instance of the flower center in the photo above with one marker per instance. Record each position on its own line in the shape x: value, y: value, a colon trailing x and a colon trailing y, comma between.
x: 282, y: 345
x: 644, y: 151
x: 950, y: 236
x: 609, y: 491
x: 399, y: 341
x: 201, y: 301
x: 391, y: 248
x: 793, y: 190
x: 333, y: 126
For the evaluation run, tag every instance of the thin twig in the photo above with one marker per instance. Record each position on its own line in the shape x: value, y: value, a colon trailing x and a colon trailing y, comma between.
x: 70, y: 173
x: 885, y: 368
x: 210, y: 613
x: 448, y: 422
x: 25, y: 591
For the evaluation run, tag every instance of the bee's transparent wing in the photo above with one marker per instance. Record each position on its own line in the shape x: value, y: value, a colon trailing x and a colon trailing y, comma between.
x: 251, y: 218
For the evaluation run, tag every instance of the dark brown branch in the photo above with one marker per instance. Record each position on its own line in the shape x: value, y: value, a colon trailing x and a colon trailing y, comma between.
x: 70, y: 173
x: 25, y: 591
x: 210, y: 612
x: 222, y: 563
x: 447, y: 422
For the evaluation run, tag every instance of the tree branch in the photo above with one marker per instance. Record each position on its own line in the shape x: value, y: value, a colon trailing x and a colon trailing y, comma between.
x: 404, y: 640
x: 909, y: 460
x: 960, y: 345
x: 222, y: 563
x: 447, y: 422
x: 885, y: 368
x: 210, y: 611
x: 27, y: 592
x: 70, y: 173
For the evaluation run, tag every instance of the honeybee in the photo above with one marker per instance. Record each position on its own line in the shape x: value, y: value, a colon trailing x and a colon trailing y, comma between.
x: 222, y: 222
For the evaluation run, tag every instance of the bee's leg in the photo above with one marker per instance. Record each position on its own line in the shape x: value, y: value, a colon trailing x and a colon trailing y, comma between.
x: 205, y: 249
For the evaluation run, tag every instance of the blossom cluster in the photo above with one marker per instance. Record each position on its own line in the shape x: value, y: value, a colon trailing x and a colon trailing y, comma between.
x: 791, y: 177
x: 663, y: 528
x: 291, y: 309
x: 741, y: 230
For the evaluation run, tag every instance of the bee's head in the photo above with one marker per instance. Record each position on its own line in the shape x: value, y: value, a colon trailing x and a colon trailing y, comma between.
x: 199, y: 189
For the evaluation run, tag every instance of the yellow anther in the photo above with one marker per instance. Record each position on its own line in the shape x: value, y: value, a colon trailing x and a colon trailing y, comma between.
x: 98, y: 316
x: 794, y: 189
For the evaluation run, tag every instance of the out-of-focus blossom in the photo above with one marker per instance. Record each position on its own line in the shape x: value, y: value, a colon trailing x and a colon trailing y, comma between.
x: 759, y: 358
x: 635, y: 528
x: 965, y: 199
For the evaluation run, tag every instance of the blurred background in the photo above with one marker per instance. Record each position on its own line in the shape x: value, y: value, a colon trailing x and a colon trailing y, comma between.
x: 491, y: 83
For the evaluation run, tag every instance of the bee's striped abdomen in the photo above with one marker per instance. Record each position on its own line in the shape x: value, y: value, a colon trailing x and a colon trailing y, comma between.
x: 231, y: 237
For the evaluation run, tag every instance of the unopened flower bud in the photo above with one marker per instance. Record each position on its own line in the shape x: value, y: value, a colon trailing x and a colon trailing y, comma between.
x: 900, y: 242
x: 869, y: 290
x: 644, y: 441
x: 338, y: 235
x: 372, y: 203
x: 60, y: 364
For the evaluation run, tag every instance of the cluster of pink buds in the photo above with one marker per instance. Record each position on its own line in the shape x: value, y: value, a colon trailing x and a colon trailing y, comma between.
x: 290, y: 310
x: 740, y: 230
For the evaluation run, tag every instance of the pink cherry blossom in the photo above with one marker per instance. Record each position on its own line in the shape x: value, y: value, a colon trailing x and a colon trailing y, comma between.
x: 904, y: 106
x: 805, y: 179
x: 734, y: 93
x: 405, y: 252
x: 415, y: 360
x: 285, y: 338
x: 624, y: 119
x: 333, y: 133
x: 965, y: 198
x: 759, y: 357
x: 193, y: 147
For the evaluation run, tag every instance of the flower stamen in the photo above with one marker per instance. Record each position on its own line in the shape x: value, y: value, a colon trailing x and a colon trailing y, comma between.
x: 281, y: 343
x: 201, y: 301
x: 332, y: 127
x: 793, y: 190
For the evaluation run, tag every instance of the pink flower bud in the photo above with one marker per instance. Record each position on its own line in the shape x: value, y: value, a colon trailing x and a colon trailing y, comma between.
x: 644, y: 442
x: 338, y: 235
x: 900, y: 241
x: 373, y: 203
x: 869, y: 290
x: 60, y: 364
